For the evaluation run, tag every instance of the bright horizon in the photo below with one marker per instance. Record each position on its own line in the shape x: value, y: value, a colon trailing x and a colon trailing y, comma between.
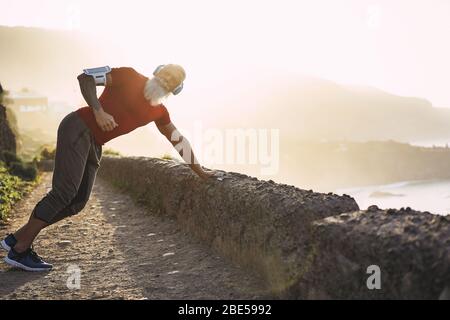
x: 397, y: 47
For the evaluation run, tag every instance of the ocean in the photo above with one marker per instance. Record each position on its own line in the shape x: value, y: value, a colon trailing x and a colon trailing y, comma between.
x: 427, y: 195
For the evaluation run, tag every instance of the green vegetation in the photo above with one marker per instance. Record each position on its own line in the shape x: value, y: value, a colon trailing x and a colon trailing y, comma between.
x: 27, y: 172
x: 167, y: 157
x: 12, y: 189
x: 111, y: 153
x: 16, y: 179
x: 47, y: 152
x: 24, y: 170
x: 16, y: 176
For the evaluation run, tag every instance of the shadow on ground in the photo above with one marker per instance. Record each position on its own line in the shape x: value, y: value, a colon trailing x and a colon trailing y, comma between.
x: 167, y: 263
x: 122, y: 252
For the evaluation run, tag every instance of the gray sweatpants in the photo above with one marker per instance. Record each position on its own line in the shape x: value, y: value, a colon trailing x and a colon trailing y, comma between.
x: 76, y: 163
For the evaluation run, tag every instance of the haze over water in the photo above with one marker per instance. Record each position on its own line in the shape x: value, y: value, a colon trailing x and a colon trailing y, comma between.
x: 430, y: 195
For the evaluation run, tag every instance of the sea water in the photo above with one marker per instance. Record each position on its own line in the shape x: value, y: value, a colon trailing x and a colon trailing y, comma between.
x: 427, y: 195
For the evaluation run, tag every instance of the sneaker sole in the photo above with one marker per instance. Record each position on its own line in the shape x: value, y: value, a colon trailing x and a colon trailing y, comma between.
x: 5, y: 246
x: 23, y: 267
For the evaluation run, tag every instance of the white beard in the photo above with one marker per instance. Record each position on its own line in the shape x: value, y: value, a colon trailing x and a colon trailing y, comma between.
x: 154, y: 93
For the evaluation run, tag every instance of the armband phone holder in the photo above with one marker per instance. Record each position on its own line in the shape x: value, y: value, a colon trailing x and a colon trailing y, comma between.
x: 99, y: 74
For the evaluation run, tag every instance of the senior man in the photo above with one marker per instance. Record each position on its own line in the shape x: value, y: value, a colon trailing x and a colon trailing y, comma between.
x: 130, y: 100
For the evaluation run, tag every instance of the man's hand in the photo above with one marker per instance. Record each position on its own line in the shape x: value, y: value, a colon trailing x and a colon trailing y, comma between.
x: 88, y: 89
x: 104, y: 120
x: 182, y: 145
x: 206, y: 174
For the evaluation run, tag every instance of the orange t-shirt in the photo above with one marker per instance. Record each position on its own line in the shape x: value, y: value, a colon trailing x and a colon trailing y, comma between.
x: 125, y: 101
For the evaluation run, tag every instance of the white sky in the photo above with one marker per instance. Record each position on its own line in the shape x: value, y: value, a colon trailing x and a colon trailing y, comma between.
x: 400, y: 46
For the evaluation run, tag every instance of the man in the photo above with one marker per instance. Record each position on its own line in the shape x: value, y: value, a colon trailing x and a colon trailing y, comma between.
x: 130, y: 100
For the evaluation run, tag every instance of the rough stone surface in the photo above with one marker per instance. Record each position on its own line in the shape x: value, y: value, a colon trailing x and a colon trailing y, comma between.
x: 7, y: 137
x: 258, y: 224
x: 411, y: 248
x: 306, y: 245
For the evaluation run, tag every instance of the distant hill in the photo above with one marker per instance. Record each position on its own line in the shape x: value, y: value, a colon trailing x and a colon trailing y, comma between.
x: 46, y: 60
x: 333, y: 165
x: 302, y: 107
x: 315, y: 109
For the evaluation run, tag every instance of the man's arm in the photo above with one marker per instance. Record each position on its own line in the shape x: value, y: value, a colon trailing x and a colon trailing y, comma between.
x: 89, y: 91
x: 182, y: 145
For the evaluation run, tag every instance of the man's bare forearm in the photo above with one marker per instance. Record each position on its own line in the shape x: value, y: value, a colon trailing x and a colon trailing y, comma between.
x: 89, y: 91
x: 183, y: 146
x: 197, y: 168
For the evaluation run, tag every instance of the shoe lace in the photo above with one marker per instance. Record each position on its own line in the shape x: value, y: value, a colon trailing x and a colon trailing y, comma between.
x: 34, y: 255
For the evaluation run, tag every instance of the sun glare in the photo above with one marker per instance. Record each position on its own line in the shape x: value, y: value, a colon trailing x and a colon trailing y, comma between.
x: 395, y: 46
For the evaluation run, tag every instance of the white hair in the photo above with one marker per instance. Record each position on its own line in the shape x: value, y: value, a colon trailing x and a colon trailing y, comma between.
x: 154, y: 92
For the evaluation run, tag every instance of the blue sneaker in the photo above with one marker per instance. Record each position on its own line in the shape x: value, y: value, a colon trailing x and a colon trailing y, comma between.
x: 27, y: 260
x: 9, y: 242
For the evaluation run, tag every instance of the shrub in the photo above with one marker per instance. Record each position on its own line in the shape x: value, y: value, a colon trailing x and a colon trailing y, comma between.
x: 12, y: 189
x: 111, y: 152
x: 8, y: 157
x: 48, y: 153
x: 167, y: 157
x: 16, y: 167
x: 26, y: 171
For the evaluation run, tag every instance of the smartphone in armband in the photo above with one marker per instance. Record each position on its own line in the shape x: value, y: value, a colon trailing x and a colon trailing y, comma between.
x: 99, y: 74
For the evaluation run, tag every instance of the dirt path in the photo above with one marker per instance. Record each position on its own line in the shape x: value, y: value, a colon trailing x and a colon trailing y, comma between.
x: 123, y: 252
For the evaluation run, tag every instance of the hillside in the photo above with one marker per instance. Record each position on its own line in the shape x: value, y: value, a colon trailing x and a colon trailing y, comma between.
x: 46, y: 60
x: 302, y: 107
x: 316, y: 109
x: 332, y: 165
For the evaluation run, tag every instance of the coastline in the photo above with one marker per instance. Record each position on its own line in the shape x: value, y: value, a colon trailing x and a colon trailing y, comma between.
x: 431, y: 195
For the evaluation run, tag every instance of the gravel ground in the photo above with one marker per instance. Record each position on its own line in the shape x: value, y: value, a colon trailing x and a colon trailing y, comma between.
x: 123, y: 252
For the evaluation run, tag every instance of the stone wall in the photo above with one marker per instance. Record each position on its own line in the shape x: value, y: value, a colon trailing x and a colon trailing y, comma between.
x: 410, y: 248
x: 305, y: 244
